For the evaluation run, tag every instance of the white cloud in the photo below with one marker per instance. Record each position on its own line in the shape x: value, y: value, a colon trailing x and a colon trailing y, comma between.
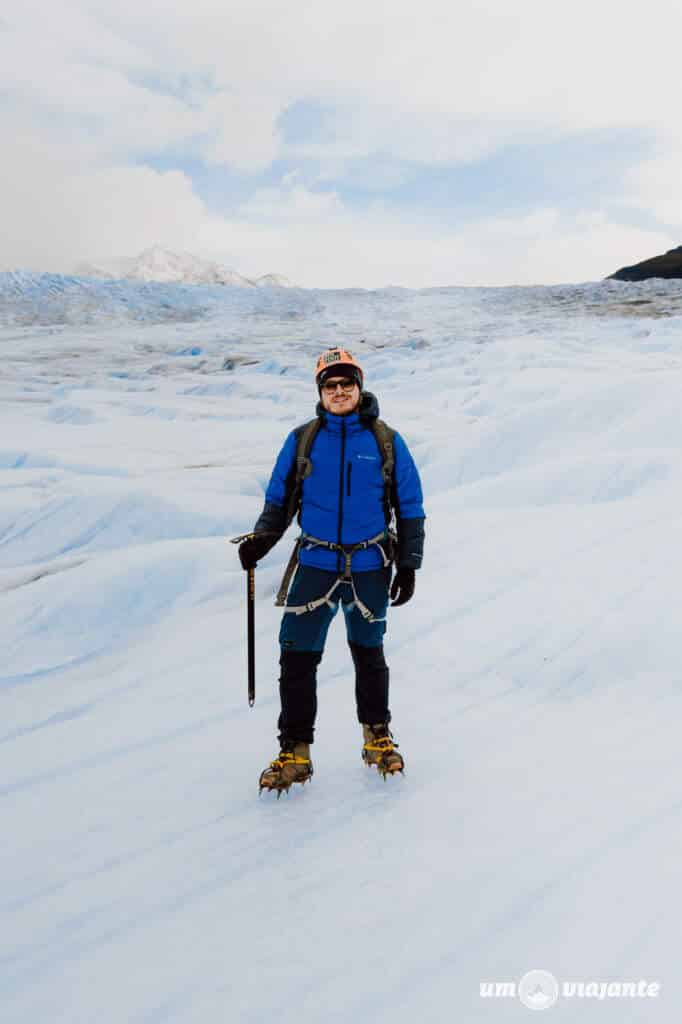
x: 575, y: 66
x: 329, y: 245
x: 291, y: 204
x: 241, y: 130
x: 438, y: 82
x: 85, y: 77
x: 77, y: 213
x: 656, y: 186
x: 90, y: 88
x: 56, y: 211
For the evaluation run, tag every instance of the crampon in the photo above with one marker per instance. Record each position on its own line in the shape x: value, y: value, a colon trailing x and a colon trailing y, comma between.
x: 292, y: 765
x: 381, y: 750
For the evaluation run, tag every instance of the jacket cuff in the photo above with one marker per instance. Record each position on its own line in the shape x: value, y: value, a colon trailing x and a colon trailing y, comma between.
x: 410, y: 543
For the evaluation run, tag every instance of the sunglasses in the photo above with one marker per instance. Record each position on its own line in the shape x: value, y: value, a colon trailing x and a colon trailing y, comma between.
x: 346, y: 385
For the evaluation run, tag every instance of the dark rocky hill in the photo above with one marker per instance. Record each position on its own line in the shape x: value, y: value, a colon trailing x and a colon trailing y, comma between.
x: 668, y: 265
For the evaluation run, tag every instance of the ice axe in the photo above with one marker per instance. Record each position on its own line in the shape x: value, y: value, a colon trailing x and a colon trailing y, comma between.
x: 250, y: 619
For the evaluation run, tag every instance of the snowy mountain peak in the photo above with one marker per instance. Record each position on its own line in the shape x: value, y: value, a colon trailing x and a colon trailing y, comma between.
x: 273, y: 281
x: 159, y: 264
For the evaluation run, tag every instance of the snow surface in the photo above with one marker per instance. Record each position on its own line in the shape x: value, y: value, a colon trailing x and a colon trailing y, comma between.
x: 536, y: 675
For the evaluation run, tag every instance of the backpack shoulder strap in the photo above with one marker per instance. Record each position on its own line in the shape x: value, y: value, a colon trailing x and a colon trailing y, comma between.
x: 384, y: 437
x: 303, y: 467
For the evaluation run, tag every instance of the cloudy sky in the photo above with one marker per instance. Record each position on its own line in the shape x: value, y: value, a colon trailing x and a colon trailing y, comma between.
x: 368, y: 142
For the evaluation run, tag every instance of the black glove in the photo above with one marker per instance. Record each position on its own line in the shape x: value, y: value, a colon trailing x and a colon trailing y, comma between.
x: 402, y: 587
x: 256, y: 547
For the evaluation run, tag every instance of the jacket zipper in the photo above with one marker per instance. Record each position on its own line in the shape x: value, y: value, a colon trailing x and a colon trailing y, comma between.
x: 339, y: 559
x: 350, y: 466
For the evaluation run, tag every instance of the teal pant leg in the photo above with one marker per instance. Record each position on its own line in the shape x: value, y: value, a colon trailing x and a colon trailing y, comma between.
x: 308, y: 632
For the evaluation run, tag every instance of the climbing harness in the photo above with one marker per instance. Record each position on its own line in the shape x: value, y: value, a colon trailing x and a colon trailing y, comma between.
x: 347, y: 550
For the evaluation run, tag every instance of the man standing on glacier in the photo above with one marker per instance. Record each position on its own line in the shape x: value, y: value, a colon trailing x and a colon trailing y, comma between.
x: 345, y: 474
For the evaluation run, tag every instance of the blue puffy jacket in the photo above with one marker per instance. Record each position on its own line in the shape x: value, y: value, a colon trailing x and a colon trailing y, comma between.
x: 343, y: 498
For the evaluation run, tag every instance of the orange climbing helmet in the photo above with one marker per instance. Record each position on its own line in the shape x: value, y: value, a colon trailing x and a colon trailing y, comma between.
x: 338, y: 362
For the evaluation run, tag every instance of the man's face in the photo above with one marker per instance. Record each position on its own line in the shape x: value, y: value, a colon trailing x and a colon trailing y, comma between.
x: 340, y: 395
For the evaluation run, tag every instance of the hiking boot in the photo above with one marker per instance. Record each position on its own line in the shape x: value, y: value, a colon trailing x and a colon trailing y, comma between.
x: 292, y: 765
x: 380, y: 750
